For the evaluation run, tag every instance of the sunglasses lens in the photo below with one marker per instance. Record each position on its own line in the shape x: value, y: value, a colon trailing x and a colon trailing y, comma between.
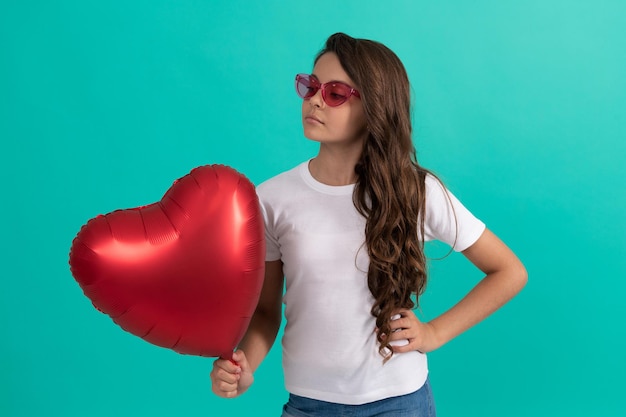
x: 336, y: 94
x: 333, y: 93
x: 306, y: 86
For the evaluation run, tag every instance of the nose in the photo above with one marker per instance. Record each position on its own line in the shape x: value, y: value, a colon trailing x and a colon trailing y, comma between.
x: 317, y: 100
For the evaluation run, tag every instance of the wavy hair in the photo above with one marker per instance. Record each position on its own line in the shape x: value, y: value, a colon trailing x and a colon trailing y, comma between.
x: 390, y: 189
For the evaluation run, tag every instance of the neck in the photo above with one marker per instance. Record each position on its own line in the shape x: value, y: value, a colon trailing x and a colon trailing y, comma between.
x: 334, y: 166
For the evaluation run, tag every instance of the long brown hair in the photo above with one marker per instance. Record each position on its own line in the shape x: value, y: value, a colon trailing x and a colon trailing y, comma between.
x: 390, y: 189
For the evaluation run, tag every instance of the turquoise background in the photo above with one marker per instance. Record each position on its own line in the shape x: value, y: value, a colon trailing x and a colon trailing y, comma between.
x: 519, y: 106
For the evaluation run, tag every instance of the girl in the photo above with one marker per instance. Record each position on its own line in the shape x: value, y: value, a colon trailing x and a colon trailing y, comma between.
x: 346, y: 232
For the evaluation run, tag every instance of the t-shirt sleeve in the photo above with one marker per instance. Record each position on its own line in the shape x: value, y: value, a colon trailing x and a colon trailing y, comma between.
x: 272, y: 247
x: 447, y: 220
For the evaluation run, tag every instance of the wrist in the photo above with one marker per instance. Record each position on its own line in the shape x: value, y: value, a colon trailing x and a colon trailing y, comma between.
x: 435, y: 340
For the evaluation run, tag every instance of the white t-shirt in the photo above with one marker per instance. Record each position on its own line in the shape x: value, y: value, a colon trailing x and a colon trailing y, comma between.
x: 330, y: 352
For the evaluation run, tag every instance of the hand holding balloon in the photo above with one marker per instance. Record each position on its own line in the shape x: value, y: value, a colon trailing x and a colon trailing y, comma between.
x: 229, y: 378
x: 184, y: 273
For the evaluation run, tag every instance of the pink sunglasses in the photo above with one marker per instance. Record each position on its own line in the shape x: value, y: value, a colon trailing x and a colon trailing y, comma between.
x: 334, y: 93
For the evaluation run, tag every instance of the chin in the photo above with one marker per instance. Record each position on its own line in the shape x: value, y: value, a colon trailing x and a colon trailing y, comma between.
x: 313, y: 137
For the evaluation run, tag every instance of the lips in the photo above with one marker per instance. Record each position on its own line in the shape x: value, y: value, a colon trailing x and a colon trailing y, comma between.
x: 313, y: 119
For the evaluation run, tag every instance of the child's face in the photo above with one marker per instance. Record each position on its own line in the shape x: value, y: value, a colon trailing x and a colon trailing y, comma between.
x: 344, y: 124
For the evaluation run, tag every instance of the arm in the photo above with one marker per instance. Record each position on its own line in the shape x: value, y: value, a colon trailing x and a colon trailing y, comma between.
x: 505, y: 277
x: 230, y: 380
x: 265, y: 322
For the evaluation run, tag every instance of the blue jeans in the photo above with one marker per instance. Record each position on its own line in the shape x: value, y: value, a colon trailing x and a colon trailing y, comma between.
x: 417, y: 404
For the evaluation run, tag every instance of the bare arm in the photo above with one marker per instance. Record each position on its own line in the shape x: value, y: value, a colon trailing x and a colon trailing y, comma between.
x: 265, y: 322
x: 505, y: 277
x: 230, y: 379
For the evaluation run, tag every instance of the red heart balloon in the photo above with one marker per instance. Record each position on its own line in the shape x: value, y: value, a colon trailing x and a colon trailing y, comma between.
x: 184, y: 273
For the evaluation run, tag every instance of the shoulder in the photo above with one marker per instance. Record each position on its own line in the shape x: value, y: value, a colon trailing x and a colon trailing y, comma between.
x: 430, y: 181
x: 280, y: 184
x: 447, y: 219
x: 436, y: 191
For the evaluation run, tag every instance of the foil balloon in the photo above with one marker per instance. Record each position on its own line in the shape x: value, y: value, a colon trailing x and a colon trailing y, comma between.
x: 183, y: 273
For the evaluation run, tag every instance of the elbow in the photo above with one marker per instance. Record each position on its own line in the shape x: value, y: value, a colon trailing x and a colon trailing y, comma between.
x: 520, y: 275
x: 272, y: 317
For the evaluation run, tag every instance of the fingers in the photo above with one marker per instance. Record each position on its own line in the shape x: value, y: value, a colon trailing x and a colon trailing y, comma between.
x: 403, y: 319
x: 408, y: 347
x: 225, y: 378
x: 241, y: 361
x: 400, y: 321
x: 231, y: 377
x: 399, y: 324
x: 405, y: 331
x: 408, y: 333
